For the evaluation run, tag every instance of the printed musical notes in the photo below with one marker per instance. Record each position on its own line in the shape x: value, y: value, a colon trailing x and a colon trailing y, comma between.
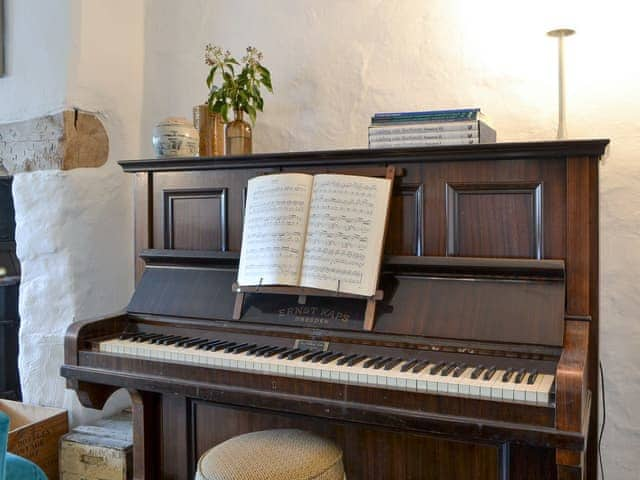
x: 321, y: 232
x: 345, y: 231
x: 274, y: 229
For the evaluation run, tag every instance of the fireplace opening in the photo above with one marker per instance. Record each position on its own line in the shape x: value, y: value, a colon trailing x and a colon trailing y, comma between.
x: 9, y: 286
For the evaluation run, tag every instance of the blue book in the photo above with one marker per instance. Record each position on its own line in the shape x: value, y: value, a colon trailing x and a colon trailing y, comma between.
x: 427, y: 116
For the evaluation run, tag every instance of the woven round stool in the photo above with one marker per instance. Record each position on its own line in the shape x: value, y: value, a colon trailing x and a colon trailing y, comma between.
x: 273, y: 455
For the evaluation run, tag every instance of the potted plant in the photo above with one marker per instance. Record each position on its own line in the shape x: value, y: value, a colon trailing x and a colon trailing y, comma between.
x: 238, y: 92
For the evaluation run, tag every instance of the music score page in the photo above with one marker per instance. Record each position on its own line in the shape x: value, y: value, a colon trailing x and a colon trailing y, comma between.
x: 324, y: 231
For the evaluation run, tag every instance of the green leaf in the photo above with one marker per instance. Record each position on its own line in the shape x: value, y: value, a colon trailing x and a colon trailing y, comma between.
x: 224, y: 110
x: 252, y: 113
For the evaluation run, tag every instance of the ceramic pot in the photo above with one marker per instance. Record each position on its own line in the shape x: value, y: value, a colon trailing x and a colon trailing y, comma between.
x: 210, y: 127
x: 238, y: 136
x: 175, y: 137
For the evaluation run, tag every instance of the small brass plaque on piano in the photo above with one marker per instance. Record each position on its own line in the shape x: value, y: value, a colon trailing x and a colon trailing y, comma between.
x: 312, y: 345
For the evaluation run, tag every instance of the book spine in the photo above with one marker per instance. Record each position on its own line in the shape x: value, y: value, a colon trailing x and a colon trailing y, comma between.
x: 424, y: 143
x: 418, y: 137
x: 427, y: 113
x: 439, y: 129
x: 424, y: 127
x: 436, y: 118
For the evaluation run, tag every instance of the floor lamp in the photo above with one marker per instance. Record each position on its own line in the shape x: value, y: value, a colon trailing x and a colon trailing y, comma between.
x: 560, y: 33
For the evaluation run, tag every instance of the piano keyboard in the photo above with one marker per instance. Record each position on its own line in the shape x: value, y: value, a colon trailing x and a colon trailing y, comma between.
x: 453, y: 378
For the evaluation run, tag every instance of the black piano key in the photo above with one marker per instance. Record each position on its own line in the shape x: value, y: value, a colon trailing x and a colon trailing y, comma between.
x: 196, y: 343
x: 143, y: 337
x: 355, y: 361
x: 392, y: 363
x: 331, y: 358
x: 408, y: 365
x: 488, y: 375
x: 477, y: 372
x: 310, y: 355
x: 508, y: 374
x: 421, y: 365
x: 459, y: 370
x: 520, y: 375
x: 232, y: 348
x: 446, y: 371
x: 183, y: 341
x: 190, y: 342
x: 210, y: 345
x: 437, y: 368
x: 160, y: 340
x: 127, y: 335
x: 298, y: 354
x: 287, y: 352
x: 532, y: 377
x: 381, y: 363
x: 245, y: 348
x: 149, y: 337
x: 172, y: 341
x: 346, y: 358
x: 221, y: 346
x: 371, y: 361
x: 258, y: 349
x: 317, y: 358
x: 270, y: 352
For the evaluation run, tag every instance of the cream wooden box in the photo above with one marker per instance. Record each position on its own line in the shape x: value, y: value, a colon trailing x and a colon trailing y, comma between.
x: 103, y: 451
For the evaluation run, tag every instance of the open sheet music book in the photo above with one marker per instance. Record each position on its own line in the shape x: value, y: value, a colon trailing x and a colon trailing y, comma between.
x: 320, y: 231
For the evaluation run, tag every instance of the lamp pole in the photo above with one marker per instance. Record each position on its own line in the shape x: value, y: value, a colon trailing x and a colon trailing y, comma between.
x: 560, y: 34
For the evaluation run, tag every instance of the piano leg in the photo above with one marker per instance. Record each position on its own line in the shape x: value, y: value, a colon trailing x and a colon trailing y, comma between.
x: 145, y: 435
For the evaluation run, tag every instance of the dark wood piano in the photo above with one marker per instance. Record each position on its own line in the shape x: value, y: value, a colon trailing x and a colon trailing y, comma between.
x: 482, y: 362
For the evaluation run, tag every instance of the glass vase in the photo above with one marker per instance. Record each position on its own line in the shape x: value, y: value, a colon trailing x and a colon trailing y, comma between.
x: 238, y: 136
x: 210, y: 126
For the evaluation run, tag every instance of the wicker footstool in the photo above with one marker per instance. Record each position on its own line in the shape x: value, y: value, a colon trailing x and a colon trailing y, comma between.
x: 273, y: 455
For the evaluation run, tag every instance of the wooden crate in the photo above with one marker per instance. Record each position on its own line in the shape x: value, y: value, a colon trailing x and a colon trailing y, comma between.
x: 102, y: 451
x: 34, y: 433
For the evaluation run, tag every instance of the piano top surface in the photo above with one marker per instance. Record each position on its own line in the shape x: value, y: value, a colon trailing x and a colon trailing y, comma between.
x: 493, y: 151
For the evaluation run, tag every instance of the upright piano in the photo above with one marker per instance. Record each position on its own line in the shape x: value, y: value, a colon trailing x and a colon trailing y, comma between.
x: 482, y: 360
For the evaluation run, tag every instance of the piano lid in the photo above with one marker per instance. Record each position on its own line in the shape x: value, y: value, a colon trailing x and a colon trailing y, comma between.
x: 488, y: 300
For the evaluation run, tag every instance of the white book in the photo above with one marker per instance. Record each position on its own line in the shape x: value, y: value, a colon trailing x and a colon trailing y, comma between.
x: 320, y: 231
x: 424, y: 143
x: 416, y: 137
x: 424, y: 127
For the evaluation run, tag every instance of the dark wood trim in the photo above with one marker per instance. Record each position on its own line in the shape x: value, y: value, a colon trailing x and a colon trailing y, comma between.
x: 490, y: 151
x: 340, y: 410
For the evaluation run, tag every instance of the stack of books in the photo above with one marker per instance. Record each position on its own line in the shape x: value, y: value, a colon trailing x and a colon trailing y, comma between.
x: 437, y: 127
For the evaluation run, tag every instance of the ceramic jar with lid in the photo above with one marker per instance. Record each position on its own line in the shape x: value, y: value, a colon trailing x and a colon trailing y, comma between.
x: 175, y: 137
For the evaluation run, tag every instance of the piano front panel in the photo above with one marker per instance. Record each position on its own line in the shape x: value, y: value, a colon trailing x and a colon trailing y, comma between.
x: 414, y: 456
x: 437, y: 208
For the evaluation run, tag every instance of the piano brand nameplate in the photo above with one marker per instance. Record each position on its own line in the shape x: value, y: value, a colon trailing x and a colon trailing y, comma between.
x: 312, y: 345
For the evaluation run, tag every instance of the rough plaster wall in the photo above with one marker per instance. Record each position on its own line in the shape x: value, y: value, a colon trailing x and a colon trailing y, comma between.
x: 334, y: 63
x: 74, y: 228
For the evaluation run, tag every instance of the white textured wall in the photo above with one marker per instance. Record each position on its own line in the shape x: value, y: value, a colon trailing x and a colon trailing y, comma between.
x: 335, y: 62
x: 74, y: 228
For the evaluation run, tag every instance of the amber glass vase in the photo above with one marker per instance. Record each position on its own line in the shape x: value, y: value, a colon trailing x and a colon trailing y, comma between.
x: 210, y: 126
x: 238, y: 136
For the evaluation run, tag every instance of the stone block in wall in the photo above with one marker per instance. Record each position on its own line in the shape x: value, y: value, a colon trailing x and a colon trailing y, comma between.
x: 61, y: 141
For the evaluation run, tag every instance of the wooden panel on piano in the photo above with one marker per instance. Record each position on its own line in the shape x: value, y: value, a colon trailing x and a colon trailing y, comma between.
x: 487, y: 300
x: 196, y: 219
x: 494, y: 220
